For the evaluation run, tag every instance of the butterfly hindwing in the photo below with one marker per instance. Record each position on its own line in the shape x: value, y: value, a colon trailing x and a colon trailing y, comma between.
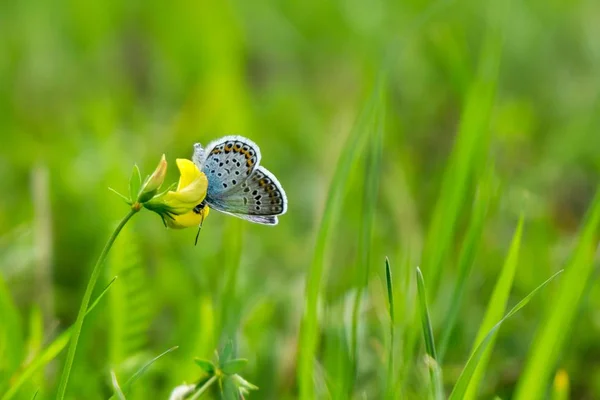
x: 261, y: 195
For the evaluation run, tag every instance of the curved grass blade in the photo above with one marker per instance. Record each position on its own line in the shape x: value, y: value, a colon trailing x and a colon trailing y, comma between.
x: 370, y: 194
x: 467, y: 373
x: 434, y: 369
x: 115, y: 383
x: 49, y: 352
x: 309, y: 327
x: 466, y: 258
x: 390, y: 294
x: 496, y: 309
x: 143, y: 369
x: 551, y: 338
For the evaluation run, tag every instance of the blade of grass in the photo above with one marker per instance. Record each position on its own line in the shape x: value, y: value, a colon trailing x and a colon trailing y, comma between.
x: 309, y: 327
x: 49, y: 353
x: 370, y: 195
x: 462, y: 384
x: 390, y: 296
x: 143, y: 369
x: 550, y: 339
x: 116, y: 387
x: 434, y: 369
x: 468, y: 154
x: 496, y: 309
x: 465, y: 260
x: 64, y: 378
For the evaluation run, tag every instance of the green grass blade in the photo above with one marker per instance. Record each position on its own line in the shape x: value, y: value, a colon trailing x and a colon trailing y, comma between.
x: 130, y: 314
x: 468, y: 154
x: 465, y: 260
x: 370, y: 195
x: 390, y: 350
x: 461, y: 386
x: 49, y: 353
x: 141, y: 371
x: 116, y: 387
x: 496, y: 309
x: 550, y: 339
x: 434, y: 368
x: 309, y: 328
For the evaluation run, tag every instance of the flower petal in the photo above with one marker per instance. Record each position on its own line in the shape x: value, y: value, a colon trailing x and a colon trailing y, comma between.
x: 188, y: 171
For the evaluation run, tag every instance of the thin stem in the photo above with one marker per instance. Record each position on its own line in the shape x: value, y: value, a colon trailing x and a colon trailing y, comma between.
x: 204, y: 387
x: 64, y: 379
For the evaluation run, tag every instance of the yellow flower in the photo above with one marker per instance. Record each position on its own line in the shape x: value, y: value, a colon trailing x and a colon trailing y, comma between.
x: 177, y: 207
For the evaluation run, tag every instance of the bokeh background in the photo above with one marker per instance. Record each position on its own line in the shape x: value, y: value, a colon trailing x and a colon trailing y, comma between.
x: 88, y: 89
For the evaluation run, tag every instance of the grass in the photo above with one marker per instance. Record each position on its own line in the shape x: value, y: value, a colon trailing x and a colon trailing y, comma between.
x: 459, y: 137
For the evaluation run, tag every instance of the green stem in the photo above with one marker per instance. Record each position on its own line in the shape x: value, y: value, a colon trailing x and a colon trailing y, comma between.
x: 204, y: 387
x: 64, y: 379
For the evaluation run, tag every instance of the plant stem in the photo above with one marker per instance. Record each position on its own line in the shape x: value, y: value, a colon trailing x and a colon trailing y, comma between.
x: 204, y: 388
x: 64, y: 379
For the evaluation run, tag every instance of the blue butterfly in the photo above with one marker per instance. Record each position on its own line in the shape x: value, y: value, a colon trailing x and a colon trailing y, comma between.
x: 237, y: 184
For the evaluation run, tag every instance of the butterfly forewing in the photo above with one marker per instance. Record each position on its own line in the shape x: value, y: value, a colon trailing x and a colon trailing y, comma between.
x: 227, y: 162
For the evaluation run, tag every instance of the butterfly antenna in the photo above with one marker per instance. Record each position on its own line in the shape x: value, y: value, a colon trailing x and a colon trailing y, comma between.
x: 199, y: 229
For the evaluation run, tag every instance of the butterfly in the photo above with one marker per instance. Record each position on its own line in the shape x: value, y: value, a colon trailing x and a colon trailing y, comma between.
x: 237, y: 184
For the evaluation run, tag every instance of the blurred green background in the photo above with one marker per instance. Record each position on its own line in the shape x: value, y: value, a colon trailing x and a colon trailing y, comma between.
x: 90, y: 88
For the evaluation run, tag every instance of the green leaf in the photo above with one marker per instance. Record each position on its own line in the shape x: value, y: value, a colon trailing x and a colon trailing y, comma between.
x: 206, y: 365
x: 496, y: 309
x: 371, y: 179
x: 125, y: 198
x: 49, y: 352
x: 390, y: 350
x: 309, y: 327
x: 460, y: 388
x: 551, y: 339
x: 227, y: 352
x: 234, y: 366
x: 485, y: 193
x: 116, y: 387
x: 143, y: 369
x: 135, y: 182
x: 434, y: 369
x: 469, y: 152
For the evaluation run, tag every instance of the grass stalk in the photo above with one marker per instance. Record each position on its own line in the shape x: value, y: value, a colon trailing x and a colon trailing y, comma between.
x: 562, y: 309
x: 64, y: 379
x: 434, y: 368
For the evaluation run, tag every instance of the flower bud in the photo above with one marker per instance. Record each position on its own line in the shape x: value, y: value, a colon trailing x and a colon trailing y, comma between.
x: 153, y: 182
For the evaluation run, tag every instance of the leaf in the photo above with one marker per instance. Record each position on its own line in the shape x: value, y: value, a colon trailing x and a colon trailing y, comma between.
x: 434, y: 369
x: 135, y: 182
x: 468, y: 154
x: 141, y: 371
x: 485, y: 192
x: 49, y: 352
x: 234, y: 366
x: 125, y: 198
x: 227, y: 352
x: 551, y: 339
x: 309, y: 327
x: 206, y: 365
x: 462, y: 384
x: 116, y: 387
x: 496, y: 308
x: 390, y: 350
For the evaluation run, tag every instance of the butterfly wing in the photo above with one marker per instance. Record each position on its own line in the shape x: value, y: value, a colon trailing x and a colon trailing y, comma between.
x: 226, y: 162
x: 259, y: 199
x: 237, y: 185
